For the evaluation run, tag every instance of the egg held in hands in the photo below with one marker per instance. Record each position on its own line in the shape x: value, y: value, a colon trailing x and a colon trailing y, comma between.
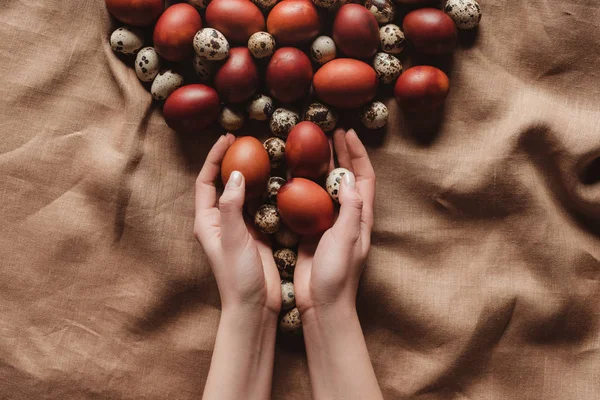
x: 307, y: 151
x: 248, y: 156
x: 305, y: 207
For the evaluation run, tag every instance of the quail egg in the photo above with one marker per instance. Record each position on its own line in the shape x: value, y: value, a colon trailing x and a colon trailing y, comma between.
x: 199, y: 4
x: 211, y: 44
x: 165, y: 83
x: 267, y: 219
x: 466, y: 14
x: 336, y: 5
x: 291, y: 322
x: 276, y: 149
x: 392, y: 39
x: 231, y: 119
x: 285, y: 237
x: 374, y: 115
x: 275, y: 183
x: 322, y: 50
x: 282, y: 121
x: 288, y: 297
x: 333, y: 182
x: 261, y: 44
x: 147, y: 64
x: 265, y: 4
x: 286, y: 262
x: 204, y: 68
x: 387, y: 67
x: 127, y: 40
x: 324, y: 3
x: 321, y: 115
x: 383, y: 10
x: 260, y: 107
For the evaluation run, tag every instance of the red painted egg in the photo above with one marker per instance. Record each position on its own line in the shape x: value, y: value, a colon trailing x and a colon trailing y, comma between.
x: 430, y: 30
x: 236, y: 19
x: 191, y: 108
x: 174, y: 32
x: 305, y: 207
x: 421, y: 88
x: 289, y: 74
x: 237, y: 79
x: 292, y: 22
x: 307, y: 151
x: 355, y: 31
x: 345, y: 83
x: 136, y: 12
x: 248, y: 156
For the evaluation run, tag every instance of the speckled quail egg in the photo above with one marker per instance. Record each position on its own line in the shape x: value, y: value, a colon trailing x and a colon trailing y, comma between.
x: 127, y: 40
x: 324, y: 3
x: 323, y: 50
x: 387, y: 67
x: 321, y: 115
x: 285, y: 237
x: 199, y: 4
x: 165, y: 83
x: 147, y: 64
x: 288, y: 297
x: 211, y: 44
x: 275, y: 183
x: 286, y: 262
x: 374, y: 115
x: 282, y: 121
x: 276, y: 150
x: 291, y: 322
x: 261, y: 44
x: 466, y: 14
x: 267, y: 218
x: 203, y: 67
x: 392, y: 39
x: 383, y: 10
x: 260, y: 107
x: 333, y: 182
x: 231, y: 119
x: 336, y: 5
x: 265, y: 4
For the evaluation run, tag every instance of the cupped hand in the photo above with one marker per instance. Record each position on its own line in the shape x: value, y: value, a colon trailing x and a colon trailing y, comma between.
x: 328, y: 270
x: 241, y: 258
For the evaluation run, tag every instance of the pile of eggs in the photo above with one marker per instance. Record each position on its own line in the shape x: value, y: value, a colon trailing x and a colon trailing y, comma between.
x: 292, y: 64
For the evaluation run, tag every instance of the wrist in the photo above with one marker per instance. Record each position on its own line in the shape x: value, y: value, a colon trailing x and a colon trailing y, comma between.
x: 248, y: 317
x: 328, y: 317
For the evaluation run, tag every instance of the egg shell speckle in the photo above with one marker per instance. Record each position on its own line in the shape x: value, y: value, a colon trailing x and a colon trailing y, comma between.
x: 260, y: 108
x: 276, y: 150
x: 466, y: 14
x: 392, y: 39
x: 323, y: 50
x: 324, y: 3
x: 275, y: 183
x: 261, y: 44
x: 165, y: 83
x: 147, y: 64
x: 231, y: 119
x: 333, y: 182
x: 282, y: 121
x: 127, y: 40
x: 265, y: 4
x: 211, y: 44
x: 374, y: 115
x: 387, y: 67
x: 321, y: 115
x: 199, y: 4
x: 203, y: 67
x: 285, y: 259
x: 288, y: 295
x: 285, y: 237
x: 383, y: 10
x: 291, y: 321
x: 267, y: 219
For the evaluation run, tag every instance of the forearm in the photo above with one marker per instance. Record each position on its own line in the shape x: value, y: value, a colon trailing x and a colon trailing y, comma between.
x: 338, y: 360
x: 242, y: 362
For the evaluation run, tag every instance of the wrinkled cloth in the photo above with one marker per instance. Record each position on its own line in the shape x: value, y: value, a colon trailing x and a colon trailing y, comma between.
x: 484, y: 277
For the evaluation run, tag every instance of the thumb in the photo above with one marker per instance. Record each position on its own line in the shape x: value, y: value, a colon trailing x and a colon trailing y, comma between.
x: 231, y: 203
x: 347, y: 227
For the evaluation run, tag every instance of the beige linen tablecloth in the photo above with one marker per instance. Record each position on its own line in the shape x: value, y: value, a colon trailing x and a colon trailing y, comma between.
x: 484, y: 277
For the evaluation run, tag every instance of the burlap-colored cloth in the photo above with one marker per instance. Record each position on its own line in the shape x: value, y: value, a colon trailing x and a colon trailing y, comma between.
x: 484, y: 277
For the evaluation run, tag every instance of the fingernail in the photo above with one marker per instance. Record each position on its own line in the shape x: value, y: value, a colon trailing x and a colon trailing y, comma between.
x: 235, y: 179
x: 349, y: 180
x: 352, y: 132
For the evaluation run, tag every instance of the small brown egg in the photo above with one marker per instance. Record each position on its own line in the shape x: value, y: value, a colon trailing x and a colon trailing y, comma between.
x: 288, y: 296
x: 430, y: 30
x: 260, y: 107
x: 305, y: 207
x: 174, y: 31
x: 387, y: 67
x: 285, y: 259
x: 421, y: 88
x: 293, y: 22
x: 374, y: 115
x: 127, y: 40
x: 355, y: 31
x: 276, y: 149
x: 275, y: 183
x: 211, y: 44
x: 291, y: 322
x: 307, y: 151
x: 261, y: 44
x: 282, y: 122
x: 237, y: 79
x: 237, y: 19
x: 267, y: 219
x: 334, y: 181
x: 136, y: 12
x: 191, y: 108
x: 323, y: 50
x: 321, y: 115
x: 289, y: 74
x: 231, y: 119
x: 392, y: 39
x: 383, y: 10
x: 248, y: 156
x: 285, y: 237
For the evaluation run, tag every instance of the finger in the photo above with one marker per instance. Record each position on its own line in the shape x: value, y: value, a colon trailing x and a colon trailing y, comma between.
x: 341, y: 150
x: 231, y: 203
x: 365, y: 175
x: 231, y: 138
x: 206, y: 192
x: 331, y: 156
x: 347, y: 227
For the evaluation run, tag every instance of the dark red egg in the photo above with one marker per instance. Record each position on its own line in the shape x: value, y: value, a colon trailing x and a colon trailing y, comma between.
x: 175, y: 30
x: 136, y: 12
x: 236, y: 19
x: 293, y: 22
x: 307, y: 151
x: 248, y: 156
x: 421, y: 88
x: 305, y: 207
x: 355, y: 31
x: 289, y: 74
x: 237, y: 79
x: 345, y: 83
x: 430, y: 30
x: 191, y: 108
